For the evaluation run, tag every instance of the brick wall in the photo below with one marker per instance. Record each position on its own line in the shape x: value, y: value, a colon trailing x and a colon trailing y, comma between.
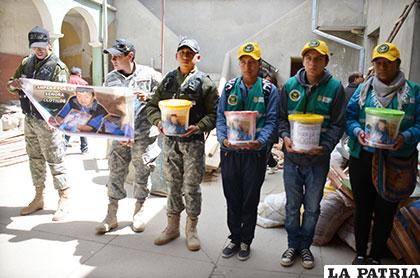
x: 8, y: 65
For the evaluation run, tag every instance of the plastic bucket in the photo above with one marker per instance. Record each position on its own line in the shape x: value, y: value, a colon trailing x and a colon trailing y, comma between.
x: 241, y: 126
x: 305, y: 131
x: 382, y: 126
x: 175, y: 116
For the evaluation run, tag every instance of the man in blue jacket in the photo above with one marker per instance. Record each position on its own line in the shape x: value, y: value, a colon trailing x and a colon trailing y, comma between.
x: 311, y: 90
x: 243, y: 165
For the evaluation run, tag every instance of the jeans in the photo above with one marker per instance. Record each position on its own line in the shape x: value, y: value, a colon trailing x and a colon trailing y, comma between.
x: 303, y: 185
x: 83, y: 143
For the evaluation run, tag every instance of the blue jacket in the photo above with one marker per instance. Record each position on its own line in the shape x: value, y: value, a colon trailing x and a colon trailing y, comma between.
x: 271, y: 121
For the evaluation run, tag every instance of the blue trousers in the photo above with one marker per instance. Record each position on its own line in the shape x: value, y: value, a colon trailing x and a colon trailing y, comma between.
x: 242, y: 176
x: 304, y: 185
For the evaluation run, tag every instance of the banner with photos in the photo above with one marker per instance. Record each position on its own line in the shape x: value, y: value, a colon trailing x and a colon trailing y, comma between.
x: 84, y: 110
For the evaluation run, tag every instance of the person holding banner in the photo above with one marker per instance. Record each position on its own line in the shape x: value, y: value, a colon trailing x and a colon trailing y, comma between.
x: 184, y: 154
x: 143, y: 151
x: 43, y: 143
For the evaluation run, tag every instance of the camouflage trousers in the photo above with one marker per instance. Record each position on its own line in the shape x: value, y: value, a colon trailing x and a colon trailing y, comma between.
x: 45, y: 145
x: 142, y: 154
x: 184, y: 170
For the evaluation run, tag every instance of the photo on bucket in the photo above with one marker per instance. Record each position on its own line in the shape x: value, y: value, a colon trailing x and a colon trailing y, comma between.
x: 241, y: 126
x: 175, y: 116
x: 305, y: 131
x: 382, y: 127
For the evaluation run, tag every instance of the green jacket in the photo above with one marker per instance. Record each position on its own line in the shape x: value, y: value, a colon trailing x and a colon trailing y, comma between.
x: 202, y: 92
x: 409, y: 126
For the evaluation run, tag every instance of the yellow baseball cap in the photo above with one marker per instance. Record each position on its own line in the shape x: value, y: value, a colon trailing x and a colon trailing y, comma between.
x: 386, y: 50
x: 317, y: 45
x: 251, y: 49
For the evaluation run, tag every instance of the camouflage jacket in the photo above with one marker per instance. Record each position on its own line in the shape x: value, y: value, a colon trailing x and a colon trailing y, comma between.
x: 143, y: 79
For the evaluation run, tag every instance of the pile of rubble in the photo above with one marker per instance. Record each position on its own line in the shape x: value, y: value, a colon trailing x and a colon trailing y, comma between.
x: 12, y: 142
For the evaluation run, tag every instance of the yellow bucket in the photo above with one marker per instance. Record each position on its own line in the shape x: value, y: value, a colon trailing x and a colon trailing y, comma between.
x: 175, y: 116
x: 305, y: 130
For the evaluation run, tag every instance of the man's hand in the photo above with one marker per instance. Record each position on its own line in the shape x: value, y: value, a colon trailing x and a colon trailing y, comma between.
x: 288, y: 143
x: 361, y: 137
x: 192, y: 129
x: 316, y: 151
x: 399, y: 142
x: 128, y: 143
x: 141, y: 95
x: 253, y: 145
x: 15, y: 84
x: 229, y: 145
x: 160, y: 127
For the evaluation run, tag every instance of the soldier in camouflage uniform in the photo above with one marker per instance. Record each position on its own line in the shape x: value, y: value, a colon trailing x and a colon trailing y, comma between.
x: 43, y: 144
x: 144, y: 150
x: 184, y: 155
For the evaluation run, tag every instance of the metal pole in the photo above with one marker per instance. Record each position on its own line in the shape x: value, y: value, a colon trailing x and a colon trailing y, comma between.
x: 162, y: 41
x: 105, y: 35
x: 334, y: 38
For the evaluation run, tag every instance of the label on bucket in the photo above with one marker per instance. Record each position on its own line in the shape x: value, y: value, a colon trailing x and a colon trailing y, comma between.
x: 173, y: 125
x: 241, y: 126
x: 380, y: 132
x: 305, y: 136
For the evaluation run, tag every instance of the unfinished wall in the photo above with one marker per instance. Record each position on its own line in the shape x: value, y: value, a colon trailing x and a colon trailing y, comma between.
x: 382, y: 14
x: 280, y: 43
x: 137, y: 24
x: 341, y: 15
x: 219, y: 25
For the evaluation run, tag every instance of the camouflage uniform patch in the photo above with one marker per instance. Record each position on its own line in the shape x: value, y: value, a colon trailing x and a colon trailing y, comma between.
x: 184, y: 171
x: 142, y: 153
x: 45, y: 145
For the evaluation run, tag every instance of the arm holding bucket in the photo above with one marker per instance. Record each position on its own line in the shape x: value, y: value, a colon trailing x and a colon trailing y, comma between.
x: 270, y: 127
x: 210, y: 100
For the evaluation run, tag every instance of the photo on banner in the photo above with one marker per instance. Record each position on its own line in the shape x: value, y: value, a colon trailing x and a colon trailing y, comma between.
x: 84, y: 110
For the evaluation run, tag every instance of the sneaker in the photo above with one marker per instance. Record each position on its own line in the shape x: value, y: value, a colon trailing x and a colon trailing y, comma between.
x: 308, y: 260
x: 359, y: 260
x: 289, y: 256
x: 230, y: 250
x: 244, y: 253
x: 371, y: 261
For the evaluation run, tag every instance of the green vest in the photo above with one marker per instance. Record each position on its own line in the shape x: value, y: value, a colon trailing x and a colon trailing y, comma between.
x: 319, y: 102
x: 254, y: 101
x: 409, y: 107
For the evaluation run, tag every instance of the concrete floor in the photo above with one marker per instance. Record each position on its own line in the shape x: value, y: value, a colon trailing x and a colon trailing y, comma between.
x: 34, y: 246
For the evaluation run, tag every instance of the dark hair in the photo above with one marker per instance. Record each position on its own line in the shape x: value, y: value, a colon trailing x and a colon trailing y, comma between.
x: 354, y: 75
x: 85, y: 90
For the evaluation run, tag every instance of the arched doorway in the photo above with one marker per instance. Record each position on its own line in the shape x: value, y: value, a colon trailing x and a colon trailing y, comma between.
x: 74, y: 47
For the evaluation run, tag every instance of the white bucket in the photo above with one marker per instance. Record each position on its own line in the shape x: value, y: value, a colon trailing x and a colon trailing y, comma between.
x: 241, y: 126
x: 305, y: 131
